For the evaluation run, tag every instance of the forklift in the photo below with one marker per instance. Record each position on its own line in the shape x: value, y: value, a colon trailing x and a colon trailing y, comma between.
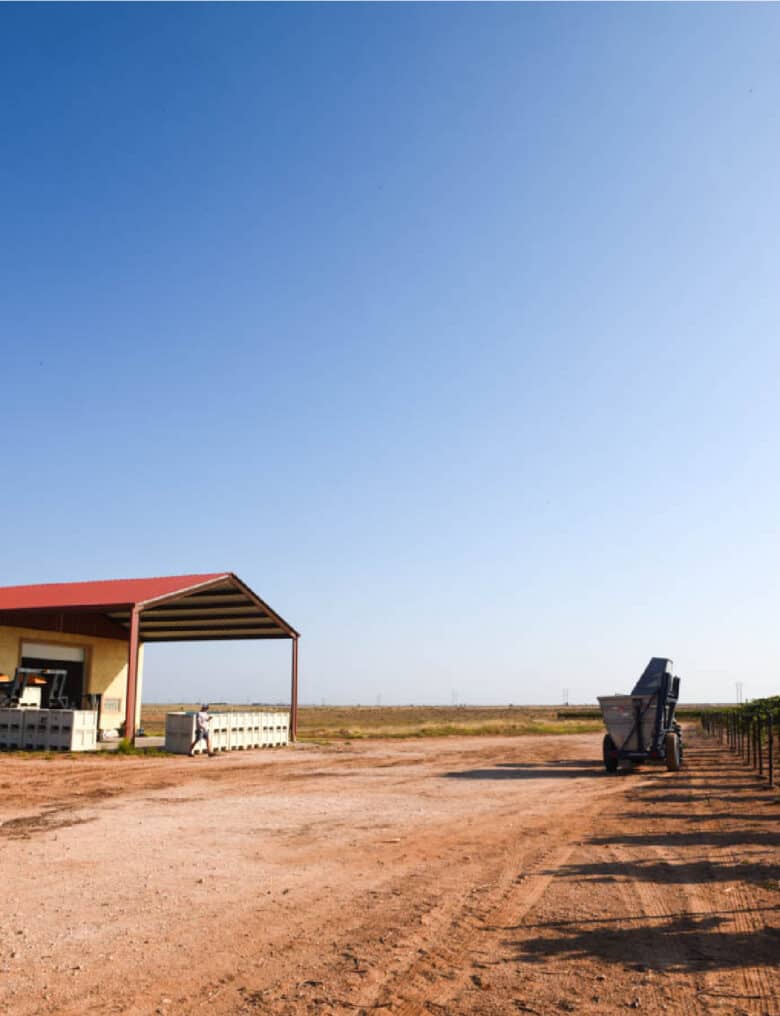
x: 23, y: 690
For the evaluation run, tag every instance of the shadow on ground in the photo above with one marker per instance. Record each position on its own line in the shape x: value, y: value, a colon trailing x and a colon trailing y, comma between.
x: 677, y: 847
x: 682, y: 942
x: 670, y: 873
x: 565, y: 770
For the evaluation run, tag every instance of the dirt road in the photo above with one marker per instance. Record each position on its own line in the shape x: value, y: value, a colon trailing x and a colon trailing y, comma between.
x: 501, y: 875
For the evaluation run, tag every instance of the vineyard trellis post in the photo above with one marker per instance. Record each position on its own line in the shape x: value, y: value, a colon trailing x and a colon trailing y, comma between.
x: 759, y: 746
x: 748, y: 731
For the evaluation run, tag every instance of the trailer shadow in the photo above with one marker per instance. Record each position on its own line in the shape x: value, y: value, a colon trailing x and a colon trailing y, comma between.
x: 564, y: 770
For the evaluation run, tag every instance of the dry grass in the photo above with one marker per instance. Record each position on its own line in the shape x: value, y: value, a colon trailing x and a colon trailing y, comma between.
x: 325, y: 723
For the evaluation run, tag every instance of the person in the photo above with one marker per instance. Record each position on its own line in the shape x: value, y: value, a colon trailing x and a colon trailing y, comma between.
x: 202, y: 732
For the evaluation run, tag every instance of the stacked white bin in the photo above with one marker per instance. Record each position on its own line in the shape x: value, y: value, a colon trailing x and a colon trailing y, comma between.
x: 220, y: 732
x: 179, y: 732
x: 35, y: 736
x: 72, y: 729
x: 49, y: 729
x: 11, y: 728
x: 229, y: 731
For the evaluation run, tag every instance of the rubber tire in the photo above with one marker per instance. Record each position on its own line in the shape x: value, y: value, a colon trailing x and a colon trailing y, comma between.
x: 610, y: 764
x: 672, y: 752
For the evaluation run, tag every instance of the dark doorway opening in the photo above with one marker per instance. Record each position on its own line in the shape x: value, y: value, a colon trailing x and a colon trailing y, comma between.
x: 74, y: 682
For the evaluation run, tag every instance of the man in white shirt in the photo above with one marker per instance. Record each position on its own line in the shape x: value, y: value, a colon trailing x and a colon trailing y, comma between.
x: 202, y: 732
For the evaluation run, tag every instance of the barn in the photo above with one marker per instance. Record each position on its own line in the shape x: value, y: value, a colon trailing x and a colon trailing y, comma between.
x: 97, y: 632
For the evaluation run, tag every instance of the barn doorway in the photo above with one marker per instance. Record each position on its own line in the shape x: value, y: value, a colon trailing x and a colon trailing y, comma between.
x: 71, y: 659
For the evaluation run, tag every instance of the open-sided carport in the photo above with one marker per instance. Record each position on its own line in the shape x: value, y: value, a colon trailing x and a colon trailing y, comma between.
x: 177, y: 608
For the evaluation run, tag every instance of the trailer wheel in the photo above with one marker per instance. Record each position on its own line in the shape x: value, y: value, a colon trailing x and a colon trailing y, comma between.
x: 673, y: 753
x: 610, y: 754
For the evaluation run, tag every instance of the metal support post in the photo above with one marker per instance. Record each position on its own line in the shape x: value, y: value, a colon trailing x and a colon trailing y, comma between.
x: 132, y: 676
x: 294, y: 691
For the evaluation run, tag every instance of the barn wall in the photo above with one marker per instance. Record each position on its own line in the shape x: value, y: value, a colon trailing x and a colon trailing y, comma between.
x: 105, y: 668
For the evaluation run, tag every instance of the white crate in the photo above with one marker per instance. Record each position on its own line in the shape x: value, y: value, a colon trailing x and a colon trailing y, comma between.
x: 11, y: 728
x: 180, y: 732
x: 82, y: 739
x: 180, y: 743
x: 180, y: 723
x: 238, y: 731
x: 35, y: 736
x: 220, y: 729
x: 72, y: 730
x: 256, y: 731
x: 229, y: 731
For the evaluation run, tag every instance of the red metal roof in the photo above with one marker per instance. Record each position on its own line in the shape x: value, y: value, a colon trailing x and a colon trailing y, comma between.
x: 109, y: 593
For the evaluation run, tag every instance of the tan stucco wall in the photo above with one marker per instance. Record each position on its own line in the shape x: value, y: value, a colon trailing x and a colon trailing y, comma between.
x: 105, y: 669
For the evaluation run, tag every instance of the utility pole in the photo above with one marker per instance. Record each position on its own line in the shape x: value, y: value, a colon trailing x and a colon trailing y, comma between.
x: 739, y: 693
x: 565, y: 696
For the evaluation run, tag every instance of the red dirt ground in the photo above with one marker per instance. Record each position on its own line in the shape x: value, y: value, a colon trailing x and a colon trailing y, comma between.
x: 490, y: 875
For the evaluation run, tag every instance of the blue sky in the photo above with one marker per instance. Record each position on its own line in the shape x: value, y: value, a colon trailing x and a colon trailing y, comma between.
x: 451, y: 329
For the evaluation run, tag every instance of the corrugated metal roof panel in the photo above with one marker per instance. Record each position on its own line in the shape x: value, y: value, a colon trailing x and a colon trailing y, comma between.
x: 107, y: 593
x: 216, y: 604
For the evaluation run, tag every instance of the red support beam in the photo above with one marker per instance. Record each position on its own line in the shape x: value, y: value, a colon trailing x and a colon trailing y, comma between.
x: 132, y: 675
x: 294, y: 692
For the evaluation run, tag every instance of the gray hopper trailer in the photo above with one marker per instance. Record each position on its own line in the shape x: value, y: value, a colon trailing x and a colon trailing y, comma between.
x: 641, y: 726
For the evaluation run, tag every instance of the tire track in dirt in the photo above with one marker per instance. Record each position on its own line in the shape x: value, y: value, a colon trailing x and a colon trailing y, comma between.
x: 447, y: 878
x: 472, y: 929
x: 759, y: 989
x: 673, y: 896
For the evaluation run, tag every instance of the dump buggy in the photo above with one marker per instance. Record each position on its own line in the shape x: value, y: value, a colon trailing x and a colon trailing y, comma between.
x: 641, y: 726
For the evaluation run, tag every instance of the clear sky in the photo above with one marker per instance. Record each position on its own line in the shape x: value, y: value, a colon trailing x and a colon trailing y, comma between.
x: 453, y: 330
